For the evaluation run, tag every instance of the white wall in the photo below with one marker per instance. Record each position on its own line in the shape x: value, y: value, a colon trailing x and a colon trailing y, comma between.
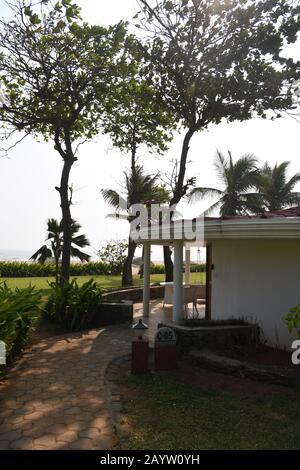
x: 258, y: 278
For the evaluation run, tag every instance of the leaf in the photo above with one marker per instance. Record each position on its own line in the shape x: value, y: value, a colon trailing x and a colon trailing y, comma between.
x: 169, y: 6
x: 34, y: 19
x: 60, y: 25
x: 28, y: 11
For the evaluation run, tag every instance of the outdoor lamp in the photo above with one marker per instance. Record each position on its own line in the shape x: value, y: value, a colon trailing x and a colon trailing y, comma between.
x: 139, y: 329
x: 139, y: 349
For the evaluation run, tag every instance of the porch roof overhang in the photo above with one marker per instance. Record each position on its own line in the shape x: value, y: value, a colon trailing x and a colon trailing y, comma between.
x: 277, y: 228
x: 215, y: 229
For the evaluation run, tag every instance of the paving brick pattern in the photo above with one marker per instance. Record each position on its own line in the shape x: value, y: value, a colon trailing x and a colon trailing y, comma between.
x: 57, y: 396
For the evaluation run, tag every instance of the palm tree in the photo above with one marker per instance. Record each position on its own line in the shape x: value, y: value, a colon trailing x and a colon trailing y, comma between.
x: 238, y: 178
x: 55, y: 244
x: 139, y: 188
x: 275, y: 190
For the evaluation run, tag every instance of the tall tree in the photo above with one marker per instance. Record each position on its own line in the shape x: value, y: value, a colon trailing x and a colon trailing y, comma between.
x: 56, y: 72
x: 219, y: 60
x: 139, y: 188
x: 137, y: 117
x: 237, y: 179
x: 141, y: 122
x: 54, y: 247
x: 275, y: 190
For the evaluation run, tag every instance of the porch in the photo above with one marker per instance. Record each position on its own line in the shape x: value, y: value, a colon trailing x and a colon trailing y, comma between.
x: 182, y: 299
x: 159, y: 313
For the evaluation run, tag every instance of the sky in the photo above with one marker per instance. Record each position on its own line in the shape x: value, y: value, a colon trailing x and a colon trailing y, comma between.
x: 32, y: 170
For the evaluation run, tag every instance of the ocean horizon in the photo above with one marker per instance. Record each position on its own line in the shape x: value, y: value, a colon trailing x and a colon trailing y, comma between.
x: 15, y: 255
x: 24, y: 255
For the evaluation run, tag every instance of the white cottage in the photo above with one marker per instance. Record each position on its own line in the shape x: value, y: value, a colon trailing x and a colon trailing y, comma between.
x: 253, y: 269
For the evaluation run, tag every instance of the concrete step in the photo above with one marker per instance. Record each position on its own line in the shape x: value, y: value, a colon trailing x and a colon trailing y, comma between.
x: 226, y: 365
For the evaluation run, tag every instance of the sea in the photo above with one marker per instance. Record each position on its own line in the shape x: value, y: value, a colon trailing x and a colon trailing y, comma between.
x: 24, y: 255
x: 15, y: 255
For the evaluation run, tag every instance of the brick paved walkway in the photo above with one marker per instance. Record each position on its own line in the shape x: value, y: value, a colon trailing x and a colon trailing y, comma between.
x: 57, y: 396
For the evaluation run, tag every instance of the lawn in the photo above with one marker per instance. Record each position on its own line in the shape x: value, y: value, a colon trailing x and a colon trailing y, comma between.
x: 165, y: 414
x: 107, y: 282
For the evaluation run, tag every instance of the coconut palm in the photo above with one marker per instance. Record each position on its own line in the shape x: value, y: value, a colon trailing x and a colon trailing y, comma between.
x: 55, y: 244
x: 139, y: 188
x: 275, y: 190
x: 237, y: 178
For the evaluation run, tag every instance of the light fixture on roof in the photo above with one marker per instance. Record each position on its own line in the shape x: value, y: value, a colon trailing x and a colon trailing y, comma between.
x: 139, y: 329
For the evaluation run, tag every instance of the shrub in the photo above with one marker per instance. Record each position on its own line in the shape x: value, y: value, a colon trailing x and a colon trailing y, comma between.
x: 10, y: 269
x: 160, y: 268
x: 198, y: 268
x: 114, y: 254
x: 157, y: 268
x: 112, y: 265
x: 73, y: 307
x: 19, y: 311
x: 292, y: 319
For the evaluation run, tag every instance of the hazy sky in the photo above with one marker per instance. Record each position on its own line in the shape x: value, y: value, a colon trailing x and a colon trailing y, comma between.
x: 29, y: 175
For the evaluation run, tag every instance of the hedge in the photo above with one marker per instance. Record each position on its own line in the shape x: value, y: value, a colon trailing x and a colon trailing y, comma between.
x: 160, y: 268
x: 17, y: 269
x: 24, y: 269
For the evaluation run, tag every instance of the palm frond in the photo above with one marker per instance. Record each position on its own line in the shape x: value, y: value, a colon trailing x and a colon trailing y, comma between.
x: 140, y: 188
x: 208, y: 212
x: 253, y: 203
x: 75, y: 227
x: 245, y: 173
x: 114, y: 199
x: 276, y: 191
x: 290, y: 185
x: 221, y: 166
x: 80, y: 241
x: 201, y: 193
x: 54, y: 229
x: 75, y: 253
x: 118, y: 216
x: 293, y: 199
x: 42, y: 254
x: 55, y: 239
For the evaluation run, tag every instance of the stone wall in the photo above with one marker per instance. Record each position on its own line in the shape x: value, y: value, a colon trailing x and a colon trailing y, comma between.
x: 218, y: 338
x: 135, y: 294
x: 113, y: 313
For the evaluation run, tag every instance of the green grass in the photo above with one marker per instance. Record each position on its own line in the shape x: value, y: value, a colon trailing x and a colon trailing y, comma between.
x: 169, y: 415
x: 106, y: 282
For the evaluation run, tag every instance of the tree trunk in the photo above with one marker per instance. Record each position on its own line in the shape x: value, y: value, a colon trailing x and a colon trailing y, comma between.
x: 66, y: 220
x: 180, y: 191
x: 56, y: 270
x: 127, y: 279
x: 178, y: 194
x: 141, y: 270
x: 168, y: 264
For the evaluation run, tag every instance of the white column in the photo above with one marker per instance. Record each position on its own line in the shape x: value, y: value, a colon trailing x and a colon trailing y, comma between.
x: 187, y: 265
x: 178, y: 285
x: 146, y: 289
